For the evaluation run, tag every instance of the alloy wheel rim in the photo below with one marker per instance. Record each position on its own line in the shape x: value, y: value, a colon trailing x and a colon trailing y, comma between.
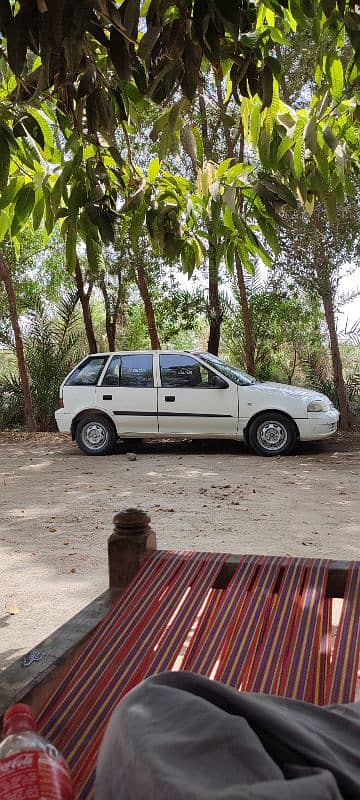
x: 94, y: 435
x: 272, y: 435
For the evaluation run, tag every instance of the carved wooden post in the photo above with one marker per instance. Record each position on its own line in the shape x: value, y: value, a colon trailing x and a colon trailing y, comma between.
x: 128, y: 546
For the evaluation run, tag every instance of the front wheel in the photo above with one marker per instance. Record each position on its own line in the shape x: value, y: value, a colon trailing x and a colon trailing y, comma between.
x: 95, y: 435
x: 272, y: 434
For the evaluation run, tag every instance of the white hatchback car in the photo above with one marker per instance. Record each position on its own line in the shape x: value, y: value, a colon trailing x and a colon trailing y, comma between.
x: 136, y: 395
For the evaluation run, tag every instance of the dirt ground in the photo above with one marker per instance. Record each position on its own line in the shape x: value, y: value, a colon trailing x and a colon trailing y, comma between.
x: 57, y: 506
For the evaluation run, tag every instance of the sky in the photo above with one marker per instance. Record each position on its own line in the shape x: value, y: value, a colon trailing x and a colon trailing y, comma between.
x: 349, y: 313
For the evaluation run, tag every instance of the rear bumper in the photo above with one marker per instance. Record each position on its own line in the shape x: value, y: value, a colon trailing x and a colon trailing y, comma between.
x: 318, y: 426
x: 63, y: 420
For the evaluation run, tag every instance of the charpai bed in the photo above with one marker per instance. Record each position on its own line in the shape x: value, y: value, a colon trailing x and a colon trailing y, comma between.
x: 259, y: 623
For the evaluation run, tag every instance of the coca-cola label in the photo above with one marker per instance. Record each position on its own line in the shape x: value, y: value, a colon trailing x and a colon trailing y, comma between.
x: 34, y: 775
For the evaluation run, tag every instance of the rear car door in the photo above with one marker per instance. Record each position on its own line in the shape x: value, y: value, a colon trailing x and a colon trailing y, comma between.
x: 79, y: 389
x: 128, y: 395
x: 190, y: 403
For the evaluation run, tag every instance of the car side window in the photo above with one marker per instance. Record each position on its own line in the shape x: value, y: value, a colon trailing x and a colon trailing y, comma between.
x: 112, y: 374
x: 88, y: 373
x: 137, y: 371
x: 180, y: 371
x: 132, y: 371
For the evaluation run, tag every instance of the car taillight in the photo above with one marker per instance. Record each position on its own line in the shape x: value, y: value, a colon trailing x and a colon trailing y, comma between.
x: 61, y: 403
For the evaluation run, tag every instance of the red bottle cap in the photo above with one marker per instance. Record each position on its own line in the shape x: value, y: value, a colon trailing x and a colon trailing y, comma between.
x: 18, y: 719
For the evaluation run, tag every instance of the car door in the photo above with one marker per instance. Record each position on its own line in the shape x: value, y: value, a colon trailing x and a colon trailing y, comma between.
x: 128, y: 395
x: 191, y: 402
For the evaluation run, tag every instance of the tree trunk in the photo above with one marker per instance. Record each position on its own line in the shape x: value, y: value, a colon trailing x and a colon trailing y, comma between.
x: 84, y: 298
x: 110, y: 320
x: 248, y: 332
x: 148, y: 306
x: 5, y: 276
x: 215, y: 312
x: 239, y: 140
x: 345, y: 422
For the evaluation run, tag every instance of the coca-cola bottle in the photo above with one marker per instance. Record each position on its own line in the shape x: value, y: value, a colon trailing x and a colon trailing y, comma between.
x: 30, y: 767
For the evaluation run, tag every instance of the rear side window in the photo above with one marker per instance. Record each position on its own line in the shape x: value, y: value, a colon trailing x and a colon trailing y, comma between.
x: 88, y: 373
x: 132, y: 371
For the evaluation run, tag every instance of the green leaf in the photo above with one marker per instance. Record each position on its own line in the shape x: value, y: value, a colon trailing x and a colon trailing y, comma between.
x: 70, y: 248
x: 223, y: 167
x: 4, y: 225
x: 228, y: 219
x: 255, y: 124
x: 336, y: 79
x: 330, y: 205
x: 87, y: 226
x: 340, y: 159
x: 4, y: 162
x: 267, y: 230
x: 298, y: 158
x: 153, y: 170
x: 310, y: 135
x: 267, y: 87
x: 230, y: 256
x: 7, y: 196
x: 274, y: 107
x: 264, y: 147
x: 119, y: 53
x: 284, y: 146
x: 199, y: 144
x: 17, y: 34
x: 188, y: 259
x: 245, y: 259
x: 44, y: 126
x: 56, y: 195
x: 65, y: 178
x: 38, y: 212
x: 136, y: 225
x: 106, y: 227
x: 49, y: 214
x: 24, y: 205
x: 188, y: 142
x: 318, y: 74
x: 331, y: 140
x: 94, y: 256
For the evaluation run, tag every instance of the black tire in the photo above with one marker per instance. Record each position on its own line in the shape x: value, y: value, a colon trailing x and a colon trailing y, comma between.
x: 272, y: 434
x: 95, y: 435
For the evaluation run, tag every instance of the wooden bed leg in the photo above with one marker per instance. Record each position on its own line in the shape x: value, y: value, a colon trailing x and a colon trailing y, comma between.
x: 128, y: 546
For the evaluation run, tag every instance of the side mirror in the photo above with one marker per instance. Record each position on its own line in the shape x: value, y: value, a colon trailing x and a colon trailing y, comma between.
x: 219, y: 383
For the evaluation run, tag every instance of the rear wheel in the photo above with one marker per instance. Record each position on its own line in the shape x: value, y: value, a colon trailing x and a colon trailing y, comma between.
x: 95, y: 435
x: 272, y: 434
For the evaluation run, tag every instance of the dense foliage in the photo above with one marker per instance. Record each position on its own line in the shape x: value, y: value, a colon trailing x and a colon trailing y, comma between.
x: 184, y: 133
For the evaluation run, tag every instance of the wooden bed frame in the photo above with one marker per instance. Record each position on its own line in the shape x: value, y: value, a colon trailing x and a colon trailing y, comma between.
x: 34, y: 677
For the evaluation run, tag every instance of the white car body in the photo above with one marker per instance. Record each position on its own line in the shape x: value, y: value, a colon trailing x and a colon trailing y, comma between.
x: 145, y: 407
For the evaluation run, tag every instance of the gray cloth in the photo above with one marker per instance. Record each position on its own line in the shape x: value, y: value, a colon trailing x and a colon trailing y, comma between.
x: 179, y: 736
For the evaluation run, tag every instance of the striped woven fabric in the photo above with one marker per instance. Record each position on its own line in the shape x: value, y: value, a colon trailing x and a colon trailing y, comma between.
x: 269, y: 631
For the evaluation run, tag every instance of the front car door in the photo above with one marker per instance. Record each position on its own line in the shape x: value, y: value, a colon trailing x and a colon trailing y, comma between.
x: 128, y: 395
x: 190, y: 402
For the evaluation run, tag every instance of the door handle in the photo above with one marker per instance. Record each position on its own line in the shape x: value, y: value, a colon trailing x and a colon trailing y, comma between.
x: 107, y: 396
x: 170, y: 398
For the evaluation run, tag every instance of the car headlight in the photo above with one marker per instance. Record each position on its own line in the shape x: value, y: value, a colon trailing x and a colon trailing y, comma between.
x: 319, y: 405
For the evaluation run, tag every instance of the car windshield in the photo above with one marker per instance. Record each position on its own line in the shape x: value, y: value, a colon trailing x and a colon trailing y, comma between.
x: 233, y: 373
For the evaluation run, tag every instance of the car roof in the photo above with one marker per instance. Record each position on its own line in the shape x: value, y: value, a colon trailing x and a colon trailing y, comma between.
x: 143, y: 352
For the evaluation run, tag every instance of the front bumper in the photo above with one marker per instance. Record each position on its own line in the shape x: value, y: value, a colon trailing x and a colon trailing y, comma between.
x: 63, y: 420
x: 319, y: 425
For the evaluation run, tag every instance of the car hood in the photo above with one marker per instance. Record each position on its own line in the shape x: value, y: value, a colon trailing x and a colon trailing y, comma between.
x: 290, y: 391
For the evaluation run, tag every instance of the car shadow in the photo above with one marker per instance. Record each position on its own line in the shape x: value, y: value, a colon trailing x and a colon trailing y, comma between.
x: 209, y: 447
